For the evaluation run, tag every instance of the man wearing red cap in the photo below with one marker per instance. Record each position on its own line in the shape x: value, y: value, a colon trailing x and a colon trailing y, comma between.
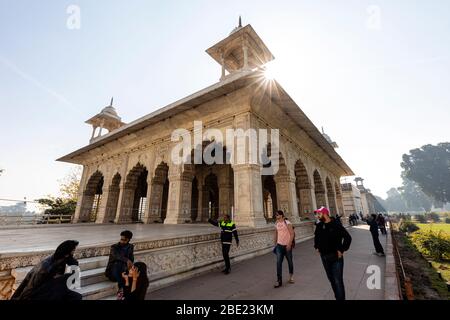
x: 331, y: 240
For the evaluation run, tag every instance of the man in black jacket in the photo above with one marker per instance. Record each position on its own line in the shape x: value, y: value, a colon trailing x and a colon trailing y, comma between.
x: 331, y: 240
x: 121, y: 258
x: 372, y: 222
x: 226, y: 236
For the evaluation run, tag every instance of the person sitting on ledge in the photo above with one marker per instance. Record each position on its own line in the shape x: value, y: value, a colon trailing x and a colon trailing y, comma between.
x: 121, y: 258
x: 136, y: 282
x: 48, y: 280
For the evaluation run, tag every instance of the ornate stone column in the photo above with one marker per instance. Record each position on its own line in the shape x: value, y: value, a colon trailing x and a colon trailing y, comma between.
x: 321, y: 199
x: 148, y: 217
x: 102, y: 206
x: 332, y: 204
x: 86, y: 207
x: 125, y: 205
x: 111, y: 204
x: 225, y: 196
x: 248, y: 201
x: 180, y: 190
x: 307, y: 202
x: 287, y: 197
x: 101, y: 213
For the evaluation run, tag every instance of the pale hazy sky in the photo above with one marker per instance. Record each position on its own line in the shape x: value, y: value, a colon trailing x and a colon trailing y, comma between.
x: 374, y: 74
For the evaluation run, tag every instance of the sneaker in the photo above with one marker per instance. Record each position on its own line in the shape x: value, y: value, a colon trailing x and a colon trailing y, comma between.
x: 278, y: 284
x: 381, y: 254
x: 291, y: 280
x: 226, y: 271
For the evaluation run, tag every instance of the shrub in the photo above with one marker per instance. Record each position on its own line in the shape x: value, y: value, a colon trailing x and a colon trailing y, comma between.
x: 407, y: 226
x: 434, y: 217
x: 447, y: 220
x: 421, y: 218
x: 433, y: 244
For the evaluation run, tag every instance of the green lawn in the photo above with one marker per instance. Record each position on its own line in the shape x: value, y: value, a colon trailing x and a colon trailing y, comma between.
x: 443, y: 268
x: 445, y: 227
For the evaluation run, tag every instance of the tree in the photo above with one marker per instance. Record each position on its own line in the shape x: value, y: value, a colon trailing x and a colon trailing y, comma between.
x: 395, y: 201
x: 70, y: 185
x: 414, y: 198
x: 429, y: 167
x: 58, y: 206
x: 67, y: 202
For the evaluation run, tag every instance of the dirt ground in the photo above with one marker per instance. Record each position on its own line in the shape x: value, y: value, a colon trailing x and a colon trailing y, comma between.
x: 418, y: 270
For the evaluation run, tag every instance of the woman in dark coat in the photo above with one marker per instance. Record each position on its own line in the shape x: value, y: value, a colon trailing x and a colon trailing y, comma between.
x: 136, y: 282
x: 48, y: 280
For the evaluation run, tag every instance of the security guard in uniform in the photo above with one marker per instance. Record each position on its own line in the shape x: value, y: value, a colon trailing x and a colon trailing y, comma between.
x: 226, y: 236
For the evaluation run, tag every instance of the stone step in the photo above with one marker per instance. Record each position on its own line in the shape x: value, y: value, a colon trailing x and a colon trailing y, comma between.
x: 98, y: 290
x: 93, y: 263
x: 84, y: 264
x: 93, y: 276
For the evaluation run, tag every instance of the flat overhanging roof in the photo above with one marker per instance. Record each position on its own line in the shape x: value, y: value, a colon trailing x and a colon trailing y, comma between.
x: 231, y: 83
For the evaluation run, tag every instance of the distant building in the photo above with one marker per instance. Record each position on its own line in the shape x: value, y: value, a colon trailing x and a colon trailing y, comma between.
x: 369, y: 203
x: 351, y: 197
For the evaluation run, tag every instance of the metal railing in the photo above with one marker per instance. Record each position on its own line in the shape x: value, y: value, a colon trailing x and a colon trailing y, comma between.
x: 20, y: 220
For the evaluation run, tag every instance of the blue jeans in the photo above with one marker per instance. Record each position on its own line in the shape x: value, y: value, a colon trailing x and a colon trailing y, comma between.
x: 281, y: 252
x: 334, y: 267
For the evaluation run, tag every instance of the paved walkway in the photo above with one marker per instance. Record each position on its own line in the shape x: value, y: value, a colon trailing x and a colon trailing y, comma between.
x: 254, y: 278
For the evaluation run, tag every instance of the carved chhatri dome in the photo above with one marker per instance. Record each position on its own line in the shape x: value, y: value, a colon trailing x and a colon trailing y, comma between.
x: 106, y: 119
x: 110, y: 111
x: 242, y: 50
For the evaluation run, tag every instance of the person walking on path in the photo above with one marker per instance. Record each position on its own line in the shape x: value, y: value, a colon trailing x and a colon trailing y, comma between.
x: 284, y: 242
x: 226, y: 237
x: 372, y: 222
x: 48, y: 280
x: 331, y: 240
x: 121, y: 258
x: 382, y: 224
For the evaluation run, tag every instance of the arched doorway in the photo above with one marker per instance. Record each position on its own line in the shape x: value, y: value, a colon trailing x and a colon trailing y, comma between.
x: 212, y: 194
x: 269, y: 196
x: 194, y: 199
x: 269, y: 188
x: 319, y: 190
x: 160, y: 193
x: 92, y: 196
x: 113, y: 199
x: 135, y: 194
x: 331, y: 197
x: 303, y: 189
x: 140, y: 197
x: 212, y: 183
